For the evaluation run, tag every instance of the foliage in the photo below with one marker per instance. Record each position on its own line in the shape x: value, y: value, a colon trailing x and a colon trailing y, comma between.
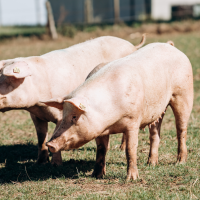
x: 67, y: 30
x: 9, y: 32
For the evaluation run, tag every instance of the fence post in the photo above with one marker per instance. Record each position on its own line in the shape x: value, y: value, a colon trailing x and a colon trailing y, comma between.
x: 88, y: 11
x: 117, y: 11
x: 51, y: 22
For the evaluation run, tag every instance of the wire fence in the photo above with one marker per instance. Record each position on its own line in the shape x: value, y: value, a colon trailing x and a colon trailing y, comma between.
x: 110, y: 11
x: 33, y: 12
x: 95, y: 11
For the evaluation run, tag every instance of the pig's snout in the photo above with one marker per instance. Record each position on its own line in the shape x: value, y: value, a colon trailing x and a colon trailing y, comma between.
x: 52, y: 147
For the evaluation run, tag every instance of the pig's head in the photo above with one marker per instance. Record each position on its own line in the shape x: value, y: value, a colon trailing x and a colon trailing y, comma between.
x: 76, y: 128
x: 13, y: 90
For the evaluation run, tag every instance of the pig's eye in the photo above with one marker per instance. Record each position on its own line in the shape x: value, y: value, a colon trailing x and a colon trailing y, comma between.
x: 73, y: 119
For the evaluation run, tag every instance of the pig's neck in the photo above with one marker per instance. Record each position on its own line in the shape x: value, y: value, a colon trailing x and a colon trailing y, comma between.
x: 43, y: 91
x: 46, y: 113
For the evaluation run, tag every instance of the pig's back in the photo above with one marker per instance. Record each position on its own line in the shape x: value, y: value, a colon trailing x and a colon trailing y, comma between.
x: 73, y: 64
x: 91, y: 52
x: 157, y: 65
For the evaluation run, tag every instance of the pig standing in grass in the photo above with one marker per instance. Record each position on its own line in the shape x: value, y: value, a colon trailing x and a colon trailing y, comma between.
x: 24, y: 81
x: 124, y: 96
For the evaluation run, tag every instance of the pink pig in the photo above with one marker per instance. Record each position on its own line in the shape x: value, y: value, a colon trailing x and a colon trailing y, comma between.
x: 24, y: 81
x: 124, y: 96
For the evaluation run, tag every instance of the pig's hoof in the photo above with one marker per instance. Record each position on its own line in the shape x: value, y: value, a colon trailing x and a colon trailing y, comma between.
x: 56, y: 162
x: 152, y: 161
x: 132, y: 174
x: 99, y: 171
x: 42, y: 161
x: 181, y: 159
x: 97, y: 174
x: 123, y: 147
x: 43, y: 157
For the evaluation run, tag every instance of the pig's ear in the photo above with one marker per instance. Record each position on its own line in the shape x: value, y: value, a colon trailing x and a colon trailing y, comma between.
x: 19, y: 69
x: 56, y: 103
x: 79, y: 103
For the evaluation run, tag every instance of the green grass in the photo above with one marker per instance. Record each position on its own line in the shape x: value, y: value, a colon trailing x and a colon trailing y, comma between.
x: 9, y: 32
x: 21, y: 178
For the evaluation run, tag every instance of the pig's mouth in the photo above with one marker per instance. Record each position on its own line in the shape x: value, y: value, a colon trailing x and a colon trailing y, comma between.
x: 53, y: 147
x: 56, y: 145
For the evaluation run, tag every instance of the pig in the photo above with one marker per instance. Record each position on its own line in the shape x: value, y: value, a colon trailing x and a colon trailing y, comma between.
x: 24, y: 81
x: 124, y: 96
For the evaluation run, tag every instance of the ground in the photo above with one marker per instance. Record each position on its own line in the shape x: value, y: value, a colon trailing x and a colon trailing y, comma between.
x: 21, y: 178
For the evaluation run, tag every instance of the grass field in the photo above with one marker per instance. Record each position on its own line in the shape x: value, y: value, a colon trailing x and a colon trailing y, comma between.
x: 9, y: 32
x: 21, y: 178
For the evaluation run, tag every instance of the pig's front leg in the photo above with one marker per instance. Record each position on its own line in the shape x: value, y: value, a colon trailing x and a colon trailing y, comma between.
x: 154, y: 142
x: 100, y: 165
x: 131, y: 154
x: 41, y: 129
x: 56, y: 157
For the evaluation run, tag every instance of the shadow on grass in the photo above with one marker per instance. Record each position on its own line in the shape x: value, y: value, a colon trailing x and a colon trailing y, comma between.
x: 87, y: 149
x: 18, y: 163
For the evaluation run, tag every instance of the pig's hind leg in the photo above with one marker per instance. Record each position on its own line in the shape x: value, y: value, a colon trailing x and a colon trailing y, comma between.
x: 100, y: 165
x: 123, y: 142
x: 41, y: 129
x: 154, y: 142
x: 182, y: 107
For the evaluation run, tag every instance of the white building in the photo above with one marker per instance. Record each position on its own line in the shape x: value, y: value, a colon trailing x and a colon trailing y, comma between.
x: 22, y: 12
x: 162, y: 9
x: 33, y: 12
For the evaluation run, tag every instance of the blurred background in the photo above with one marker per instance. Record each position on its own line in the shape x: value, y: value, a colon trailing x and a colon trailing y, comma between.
x: 66, y: 17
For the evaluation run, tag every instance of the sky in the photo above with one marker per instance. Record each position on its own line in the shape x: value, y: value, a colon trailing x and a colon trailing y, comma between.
x: 22, y: 12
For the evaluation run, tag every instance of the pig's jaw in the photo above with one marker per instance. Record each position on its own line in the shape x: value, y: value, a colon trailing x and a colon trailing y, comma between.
x: 57, y: 144
x: 62, y: 143
x: 2, y: 99
x: 53, y: 148
x: 3, y: 107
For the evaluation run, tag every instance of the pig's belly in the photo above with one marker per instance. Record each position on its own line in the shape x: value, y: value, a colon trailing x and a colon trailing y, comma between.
x: 155, y: 104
